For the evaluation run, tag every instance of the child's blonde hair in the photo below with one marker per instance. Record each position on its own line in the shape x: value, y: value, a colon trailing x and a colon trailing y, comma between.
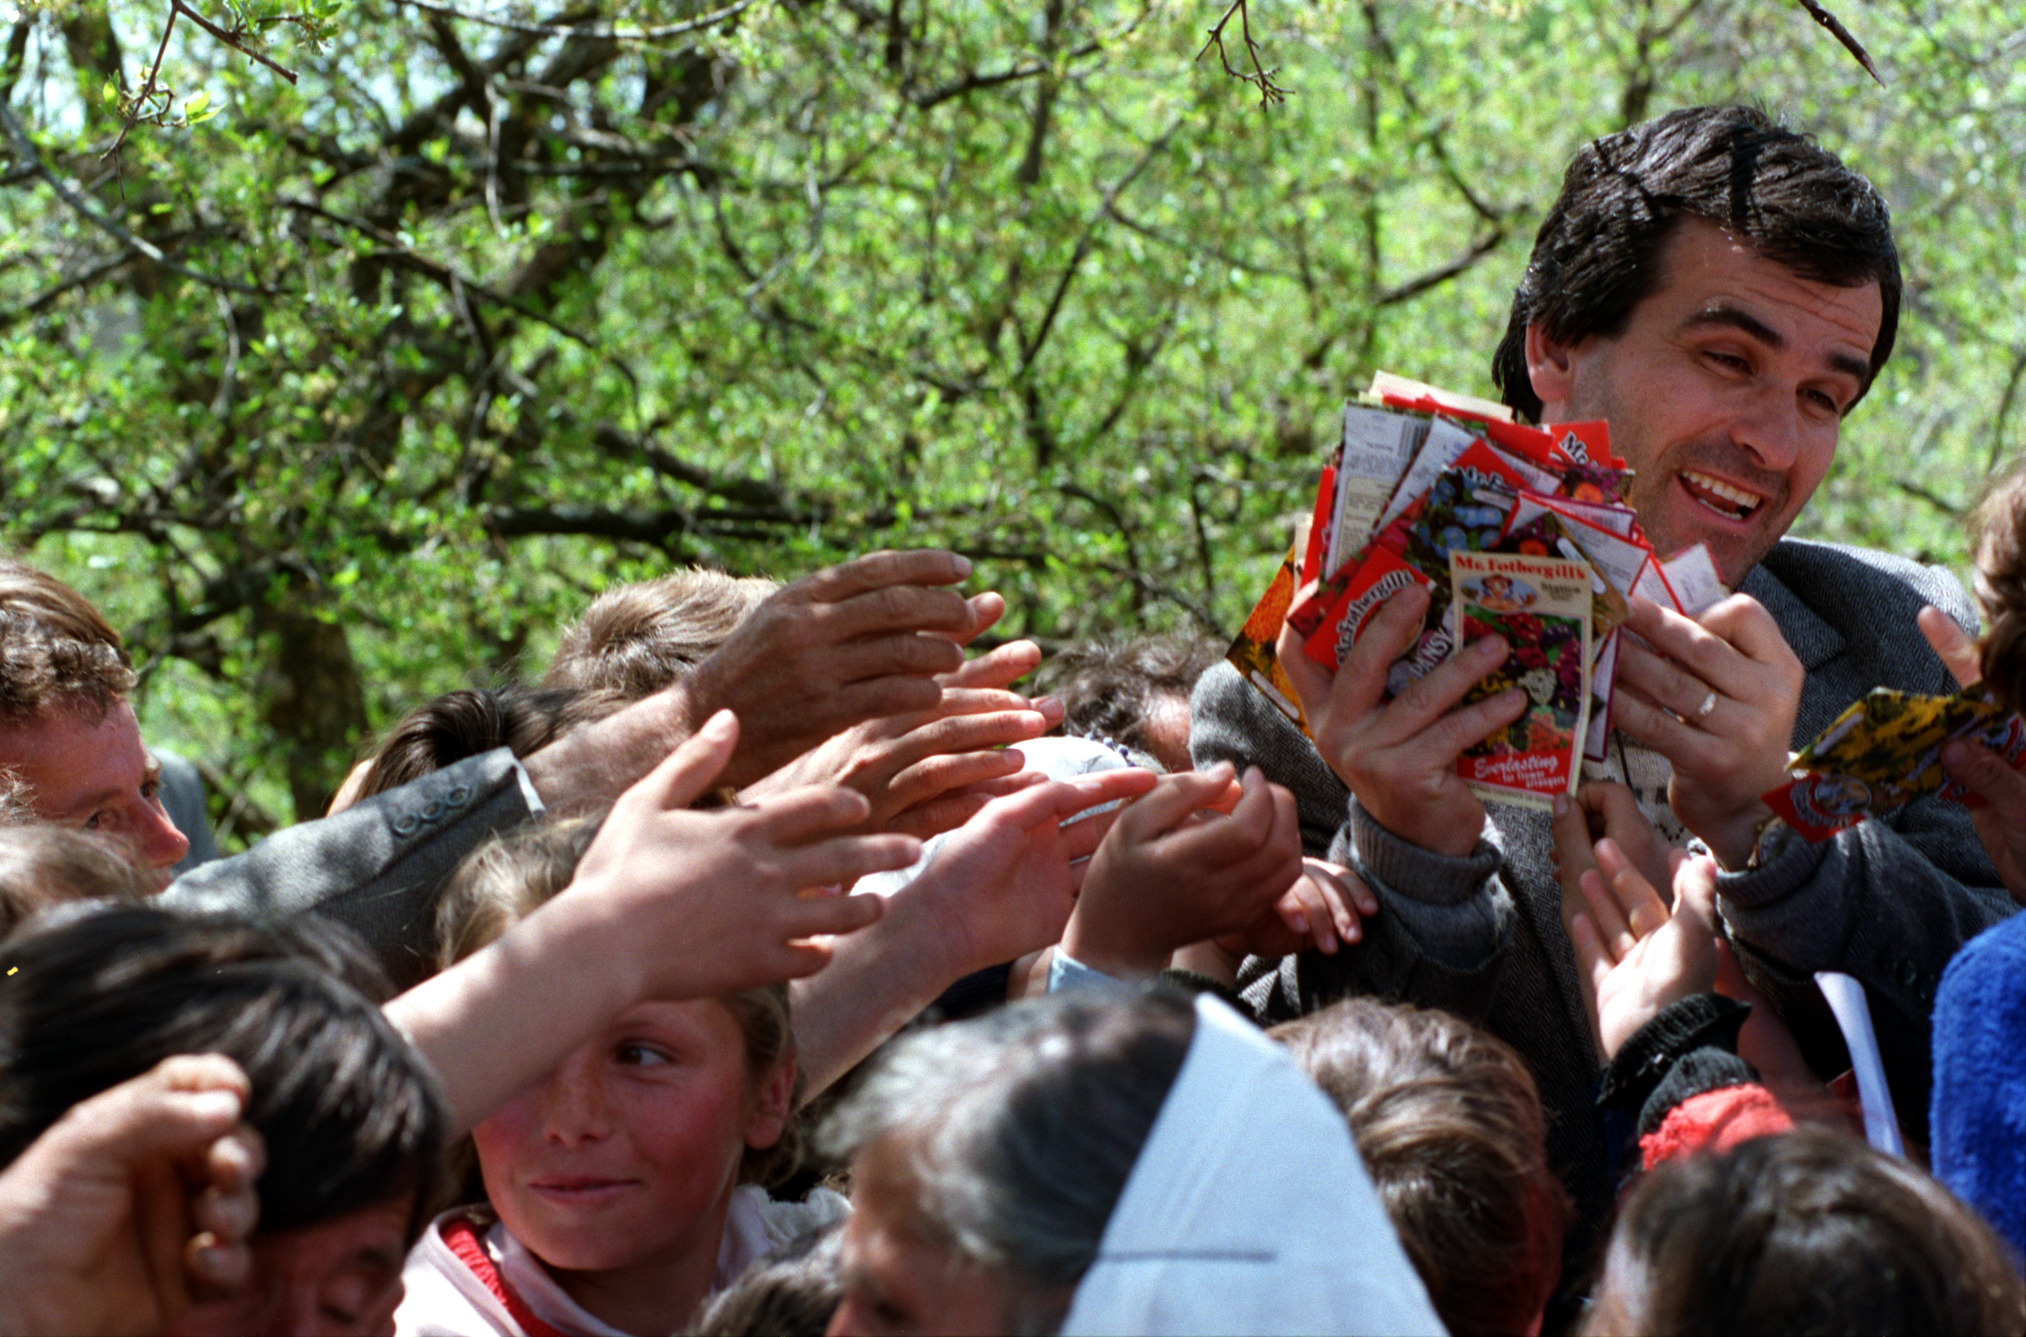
x: 512, y: 875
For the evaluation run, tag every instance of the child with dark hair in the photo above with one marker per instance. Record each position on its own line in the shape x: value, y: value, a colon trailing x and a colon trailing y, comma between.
x: 791, y: 1294
x: 1449, y: 1124
x: 1134, y: 693
x: 1807, y: 1232
x: 628, y: 1184
x: 350, y: 1117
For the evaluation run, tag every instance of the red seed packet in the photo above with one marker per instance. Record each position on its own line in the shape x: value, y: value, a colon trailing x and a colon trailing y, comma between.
x: 1541, y: 606
x: 1379, y: 577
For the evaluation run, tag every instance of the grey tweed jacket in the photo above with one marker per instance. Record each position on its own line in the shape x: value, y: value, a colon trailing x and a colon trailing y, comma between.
x: 1886, y: 901
x: 378, y: 867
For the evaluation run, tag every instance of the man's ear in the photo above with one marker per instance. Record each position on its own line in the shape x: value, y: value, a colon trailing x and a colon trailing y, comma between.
x: 771, y: 1106
x: 1551, y: 367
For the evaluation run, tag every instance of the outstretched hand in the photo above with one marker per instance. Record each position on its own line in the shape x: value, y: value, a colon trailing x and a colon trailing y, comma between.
x: 2001, y: 822
x: 709, y: 902
x: 852, y: 642
x: 668, y: 902
x: 1175, y: 870
x: 1325, y: 909
x: 1601, y: 810
x: 1635, y: 955
x: 1399, y: 756
x: 1005, y: 882
x: 134, y: 1205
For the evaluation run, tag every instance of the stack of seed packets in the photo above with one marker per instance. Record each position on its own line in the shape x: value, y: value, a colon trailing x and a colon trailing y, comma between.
x: 1884, y: 752
x: 1513, y: 530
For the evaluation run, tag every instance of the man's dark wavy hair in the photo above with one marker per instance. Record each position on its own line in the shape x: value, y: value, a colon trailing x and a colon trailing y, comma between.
x: 1597, y: 256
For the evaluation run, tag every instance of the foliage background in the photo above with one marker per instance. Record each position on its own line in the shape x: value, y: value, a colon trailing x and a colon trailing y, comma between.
x: 350, y: 391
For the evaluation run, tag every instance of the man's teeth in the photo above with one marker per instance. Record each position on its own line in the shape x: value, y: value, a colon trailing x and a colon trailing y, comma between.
x: 1742, y: 503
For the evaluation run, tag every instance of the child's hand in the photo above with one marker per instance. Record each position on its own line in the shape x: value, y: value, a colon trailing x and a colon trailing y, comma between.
x: 922, y: 772
x: 1603, y: 810
x: 1005, y: 882
x: 667, y: 903
x: 1173, y: 871
x: 1326, y: 906
x: 699, y: 903
x: 1633, y: 955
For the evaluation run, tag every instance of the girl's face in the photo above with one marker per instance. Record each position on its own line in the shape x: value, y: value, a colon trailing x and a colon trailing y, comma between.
x: 630, y: 1149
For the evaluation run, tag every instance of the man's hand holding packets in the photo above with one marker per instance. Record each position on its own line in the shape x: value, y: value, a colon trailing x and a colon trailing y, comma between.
x: 1717, y: 697
x: 1399, y: 757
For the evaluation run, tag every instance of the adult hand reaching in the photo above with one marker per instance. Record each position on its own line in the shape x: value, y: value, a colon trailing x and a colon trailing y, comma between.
x: 136, y: 1203
x: 849, y: 643
x: 1399, y: 756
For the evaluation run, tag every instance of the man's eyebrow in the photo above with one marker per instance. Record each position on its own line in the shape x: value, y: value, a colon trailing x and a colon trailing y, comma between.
x: 1742, y: 321
x: 1752, y: 327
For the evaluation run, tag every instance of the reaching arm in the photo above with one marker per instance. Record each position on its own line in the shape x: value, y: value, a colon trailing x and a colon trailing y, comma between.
x: 1002, y: 885
x: 668, y: 902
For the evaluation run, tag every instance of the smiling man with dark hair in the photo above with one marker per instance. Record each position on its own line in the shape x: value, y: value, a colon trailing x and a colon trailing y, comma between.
x: 1723, y: 292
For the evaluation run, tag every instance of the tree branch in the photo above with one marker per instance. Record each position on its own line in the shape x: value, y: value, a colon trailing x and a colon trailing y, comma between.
x: 657, y: 34
x: 1260, y: 77
x: 25, y: 148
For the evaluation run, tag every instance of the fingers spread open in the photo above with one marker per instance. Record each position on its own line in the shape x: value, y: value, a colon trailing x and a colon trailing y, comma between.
x: 842, y: 860
x: 806, y: 814
x: 944, y: 614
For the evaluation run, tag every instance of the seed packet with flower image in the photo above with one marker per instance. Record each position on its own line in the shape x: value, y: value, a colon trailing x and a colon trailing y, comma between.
x: 1542, y: 607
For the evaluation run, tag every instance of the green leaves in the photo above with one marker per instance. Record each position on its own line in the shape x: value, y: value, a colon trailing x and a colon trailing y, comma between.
x: 524, y: 313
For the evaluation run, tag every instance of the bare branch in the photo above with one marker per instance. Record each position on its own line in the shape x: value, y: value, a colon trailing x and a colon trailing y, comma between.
x: 656, y: 34
x: 1842, y: 34
x: 1259, y: 77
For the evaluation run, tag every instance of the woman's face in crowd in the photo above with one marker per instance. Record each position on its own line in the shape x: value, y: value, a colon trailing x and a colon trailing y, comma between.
x: 334, y: 1279
x: 628, y: 1152
x: 898, y: 1279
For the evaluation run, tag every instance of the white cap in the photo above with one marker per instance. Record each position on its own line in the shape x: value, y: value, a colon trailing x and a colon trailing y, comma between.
x: 1248, y: 1210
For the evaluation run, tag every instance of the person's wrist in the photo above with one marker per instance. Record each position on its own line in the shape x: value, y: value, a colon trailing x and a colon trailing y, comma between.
x: 925, y: 927
x: 1451, y: 839
x: 586, y: 937
x: 1113, y: 949
x: 1734, y: 838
